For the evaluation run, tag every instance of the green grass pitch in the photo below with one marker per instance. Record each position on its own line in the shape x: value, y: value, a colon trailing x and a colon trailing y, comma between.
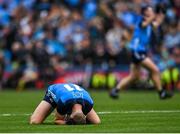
x: 133, y: 112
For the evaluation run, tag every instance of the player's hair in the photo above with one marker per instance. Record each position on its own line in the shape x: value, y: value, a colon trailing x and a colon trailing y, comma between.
x: 144, y: 8
x: 78, y: 118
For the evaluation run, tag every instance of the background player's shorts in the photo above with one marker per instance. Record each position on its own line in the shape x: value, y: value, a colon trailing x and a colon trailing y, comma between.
x: 137, y: 57
x: 66, y: 108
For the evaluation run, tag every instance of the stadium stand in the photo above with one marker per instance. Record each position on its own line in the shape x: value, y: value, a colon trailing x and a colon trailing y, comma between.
x: 49, y: 41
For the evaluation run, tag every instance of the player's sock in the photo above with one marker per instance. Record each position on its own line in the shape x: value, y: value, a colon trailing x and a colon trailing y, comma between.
x: 114, y: 93
x: 163, y: 94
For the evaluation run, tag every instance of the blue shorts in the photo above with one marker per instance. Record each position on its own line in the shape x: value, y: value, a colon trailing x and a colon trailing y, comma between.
x: 137, y: 57
x: 48, y: 98
x: 66, y: 107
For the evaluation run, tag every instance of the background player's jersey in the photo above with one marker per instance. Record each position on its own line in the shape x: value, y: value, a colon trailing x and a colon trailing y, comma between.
x: 141, y: 37
x: 65, y: 92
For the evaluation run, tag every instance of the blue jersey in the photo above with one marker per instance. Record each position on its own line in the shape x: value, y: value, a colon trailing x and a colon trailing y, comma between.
x: 65, y: 92
x: 64, y: 96
x: 141, y: 37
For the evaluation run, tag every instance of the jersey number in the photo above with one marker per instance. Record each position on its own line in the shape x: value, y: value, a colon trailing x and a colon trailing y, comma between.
x: 69, y: 88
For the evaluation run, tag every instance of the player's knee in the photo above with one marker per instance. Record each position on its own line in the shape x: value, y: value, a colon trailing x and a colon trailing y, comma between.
x: 34, y: 121
x: 156, y: 71
x: 134, y: 77
x: 98, y: 121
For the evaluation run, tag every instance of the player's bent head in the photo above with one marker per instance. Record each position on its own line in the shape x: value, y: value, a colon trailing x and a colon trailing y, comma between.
x: 78, y: 118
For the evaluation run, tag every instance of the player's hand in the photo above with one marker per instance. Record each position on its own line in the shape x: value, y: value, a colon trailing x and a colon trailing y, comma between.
x: 160, y: 17
x: 158, y: 20
x: 60, y: 122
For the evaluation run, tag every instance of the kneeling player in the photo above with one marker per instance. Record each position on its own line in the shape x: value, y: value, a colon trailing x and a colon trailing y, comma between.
x: 73, y: 106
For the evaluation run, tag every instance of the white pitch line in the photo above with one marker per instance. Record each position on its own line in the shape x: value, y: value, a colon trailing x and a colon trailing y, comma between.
x: 103, y: 112
x: 10, y: 114
x: 139, y: 111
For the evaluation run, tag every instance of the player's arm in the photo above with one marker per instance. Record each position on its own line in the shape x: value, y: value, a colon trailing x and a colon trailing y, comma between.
x: 60, y: 122
x: 92, y: 117
x: 158, y: 20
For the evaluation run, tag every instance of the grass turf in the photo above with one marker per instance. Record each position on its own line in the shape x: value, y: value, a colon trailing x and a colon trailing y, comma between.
x: 14, y: 106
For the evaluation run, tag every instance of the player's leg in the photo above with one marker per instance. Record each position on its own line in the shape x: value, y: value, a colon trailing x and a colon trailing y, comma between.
x: 155, y: 76
x: 132, y: 77
x: 92, y: 117
x: 41, y: 112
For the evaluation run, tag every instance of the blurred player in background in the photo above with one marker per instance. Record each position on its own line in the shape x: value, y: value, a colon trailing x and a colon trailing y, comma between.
x: 72, y: 103
x: 139, y: 46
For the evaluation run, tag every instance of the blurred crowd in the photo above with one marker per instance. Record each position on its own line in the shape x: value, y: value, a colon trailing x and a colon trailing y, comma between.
x: 39, y: 39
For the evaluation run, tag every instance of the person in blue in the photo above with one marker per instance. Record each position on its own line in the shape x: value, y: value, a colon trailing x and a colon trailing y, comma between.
x: 139, y: 46
x: 72, y: 104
